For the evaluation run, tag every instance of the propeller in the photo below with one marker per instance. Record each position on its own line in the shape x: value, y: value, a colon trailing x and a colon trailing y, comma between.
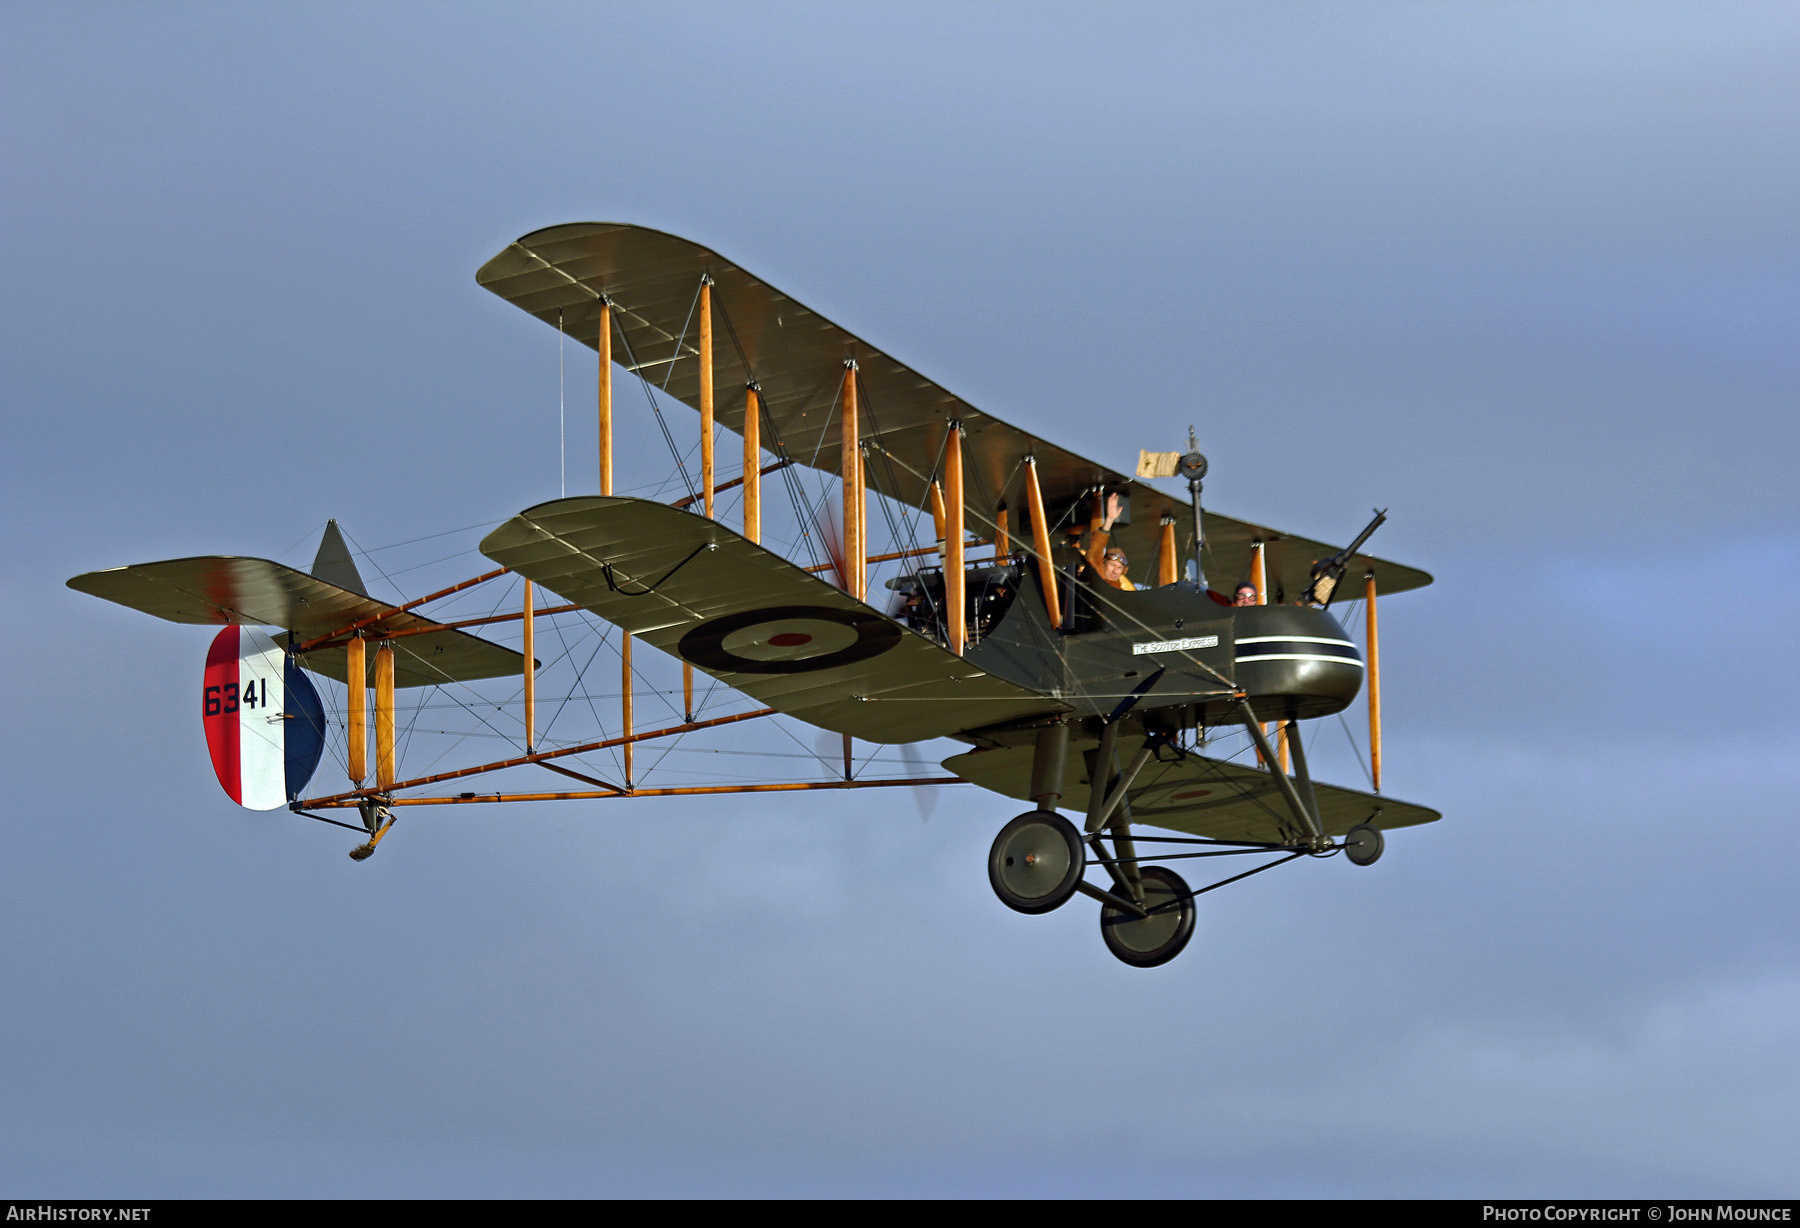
x: 925, y: 797
x: 829, y: 747
x: 831, y: 537
x: 833, y: 750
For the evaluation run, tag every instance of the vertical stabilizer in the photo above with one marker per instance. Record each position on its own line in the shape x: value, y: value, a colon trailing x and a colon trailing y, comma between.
x: 333, y: 563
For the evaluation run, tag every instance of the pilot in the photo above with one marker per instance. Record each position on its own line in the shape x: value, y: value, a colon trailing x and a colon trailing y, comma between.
x: 1108, y: 561
x: 1246, y: 594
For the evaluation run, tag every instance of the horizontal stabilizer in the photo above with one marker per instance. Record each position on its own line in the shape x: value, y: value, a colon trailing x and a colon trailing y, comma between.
x: 217, y: 590
x: 696, y: 589
x: 1197, y: 795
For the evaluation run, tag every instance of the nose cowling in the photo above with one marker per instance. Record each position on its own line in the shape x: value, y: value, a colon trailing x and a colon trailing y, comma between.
x: 1295, y: 662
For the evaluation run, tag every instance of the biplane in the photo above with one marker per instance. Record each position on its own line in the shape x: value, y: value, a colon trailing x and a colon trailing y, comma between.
x: 1164, y: 716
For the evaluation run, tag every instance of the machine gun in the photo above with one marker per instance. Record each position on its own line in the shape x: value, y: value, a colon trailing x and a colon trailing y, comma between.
x: 1328, y: 573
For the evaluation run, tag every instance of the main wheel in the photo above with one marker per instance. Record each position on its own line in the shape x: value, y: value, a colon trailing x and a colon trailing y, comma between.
x: 1036, y: 861
x: 1145, y: 942
x: 1363, y: 844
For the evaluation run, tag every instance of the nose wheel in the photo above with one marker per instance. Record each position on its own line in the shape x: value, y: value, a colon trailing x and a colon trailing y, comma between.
x: 1037, y: 862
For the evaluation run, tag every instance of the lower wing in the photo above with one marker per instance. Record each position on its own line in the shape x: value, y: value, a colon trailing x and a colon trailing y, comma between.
x: 1194, y: 794
x: 750, y: 618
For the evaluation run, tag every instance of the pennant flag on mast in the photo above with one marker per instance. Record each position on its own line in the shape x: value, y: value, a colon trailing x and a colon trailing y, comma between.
x: 1157, y: 464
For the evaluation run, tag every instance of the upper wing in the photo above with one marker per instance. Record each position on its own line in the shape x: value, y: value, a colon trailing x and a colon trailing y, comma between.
x: 796, y: 356
x: 215, y: 590
x: 1197, y: 795
x: 750, y: 618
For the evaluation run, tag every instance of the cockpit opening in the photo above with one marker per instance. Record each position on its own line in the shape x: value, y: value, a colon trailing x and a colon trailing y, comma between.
x: 990, y: 590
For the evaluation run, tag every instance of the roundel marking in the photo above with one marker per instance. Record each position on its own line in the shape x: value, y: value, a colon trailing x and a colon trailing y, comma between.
x: 1190, y: 795
x: 789, y: 639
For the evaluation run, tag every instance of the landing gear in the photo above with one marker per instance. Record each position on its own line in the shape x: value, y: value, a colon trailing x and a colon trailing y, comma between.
x: 1363, y: 844
x: 1145, y: 942
x: 1147, y: 911
x: 1037, y: 862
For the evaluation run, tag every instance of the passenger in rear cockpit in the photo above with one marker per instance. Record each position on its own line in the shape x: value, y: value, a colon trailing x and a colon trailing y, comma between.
x: 1246, y: 594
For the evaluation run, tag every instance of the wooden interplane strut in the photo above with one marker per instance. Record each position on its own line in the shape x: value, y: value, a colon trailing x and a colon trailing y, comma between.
x: 850, y: 473
x: 706, y: 394
x: 604, y: 345
x: 530, y: 671
x: 1040, y: 540
x: 1259, y: 577
x: 384, y: 717
x: 753, y: 470
x: 956, y: 606
x: 1373, y: 682
x: 356, y: 715
x: 625, y: 713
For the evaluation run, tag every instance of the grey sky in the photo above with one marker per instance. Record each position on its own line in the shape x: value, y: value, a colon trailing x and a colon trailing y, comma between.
x: 1525, y: 274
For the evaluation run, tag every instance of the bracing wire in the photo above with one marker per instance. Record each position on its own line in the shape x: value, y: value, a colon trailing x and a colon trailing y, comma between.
x: 790, y: 482
x: 650, y: 395
x: 562, y: 433
x: 910, y: 539
x: 310, y: 535
x: 369, y: 559
x: 413, y: 541
x: 1356, y: 749
x: 682, y: 339
x: 904, y: 525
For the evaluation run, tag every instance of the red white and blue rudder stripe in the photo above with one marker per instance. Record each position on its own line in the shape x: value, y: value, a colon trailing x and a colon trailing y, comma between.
x: 265, y: 726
